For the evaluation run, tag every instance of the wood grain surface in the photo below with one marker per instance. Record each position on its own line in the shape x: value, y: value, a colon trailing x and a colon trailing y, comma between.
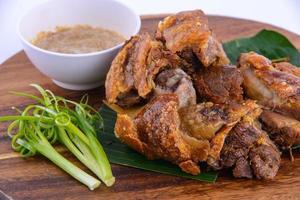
x: 38, y: 178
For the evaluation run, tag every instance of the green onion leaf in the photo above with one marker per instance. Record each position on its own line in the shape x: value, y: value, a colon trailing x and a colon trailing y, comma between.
x: 53, y: 119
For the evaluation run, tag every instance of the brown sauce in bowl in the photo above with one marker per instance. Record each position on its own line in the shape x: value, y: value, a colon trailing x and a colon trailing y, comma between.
x: 77, y: 39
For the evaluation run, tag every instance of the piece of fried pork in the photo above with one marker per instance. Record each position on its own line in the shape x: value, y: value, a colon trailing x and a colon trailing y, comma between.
x: 273, y: 85
x: 132, y: 72
x: 219, y: 84
x: 213, y: 122
x: 283, y: 130
x: 277, y: 87
x: 155, y: 132
x: 249, y: 150
x: 187, y: 33
x: 182, y: 136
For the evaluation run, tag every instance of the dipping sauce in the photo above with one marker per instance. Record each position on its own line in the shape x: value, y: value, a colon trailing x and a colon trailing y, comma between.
x: 77, y: 39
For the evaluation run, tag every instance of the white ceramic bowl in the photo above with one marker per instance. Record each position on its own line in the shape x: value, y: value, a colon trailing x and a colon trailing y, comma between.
x: 76, y: 71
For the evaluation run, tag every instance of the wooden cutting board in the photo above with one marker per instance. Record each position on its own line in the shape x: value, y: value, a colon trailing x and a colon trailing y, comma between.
x: 37, y: 178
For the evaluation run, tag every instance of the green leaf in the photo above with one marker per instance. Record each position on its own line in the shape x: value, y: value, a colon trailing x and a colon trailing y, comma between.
x: 271, y: 44
x: 121, y: 154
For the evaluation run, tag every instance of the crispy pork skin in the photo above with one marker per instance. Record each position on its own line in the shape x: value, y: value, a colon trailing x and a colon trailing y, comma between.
x: 288, y: 68
x: 189, y: 30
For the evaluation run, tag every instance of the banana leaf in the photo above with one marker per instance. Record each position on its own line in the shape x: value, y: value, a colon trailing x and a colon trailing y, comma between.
x: 271, y: 44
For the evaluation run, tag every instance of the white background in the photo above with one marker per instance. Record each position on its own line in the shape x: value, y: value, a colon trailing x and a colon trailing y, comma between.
x: 283, y: 13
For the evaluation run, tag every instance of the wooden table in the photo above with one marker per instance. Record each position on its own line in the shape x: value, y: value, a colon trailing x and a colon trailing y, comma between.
x: 37, y: 178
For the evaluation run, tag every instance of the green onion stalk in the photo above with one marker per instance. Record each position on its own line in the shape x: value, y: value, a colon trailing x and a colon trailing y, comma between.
x: 56, y: 119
